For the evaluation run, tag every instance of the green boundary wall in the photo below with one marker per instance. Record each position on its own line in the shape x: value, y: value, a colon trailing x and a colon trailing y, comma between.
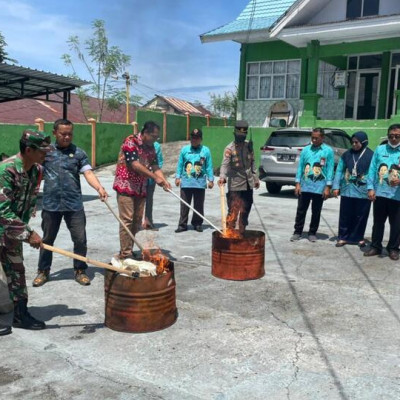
x: 10, y: 135
x: 109, y: 138
x: 216, y: 138
x: 176, y: 124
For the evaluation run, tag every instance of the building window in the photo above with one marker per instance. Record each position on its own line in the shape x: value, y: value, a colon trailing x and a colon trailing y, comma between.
x: 273, y: 80
x: 361, y: 8
x: 326, y: 74
x: 371, y: 61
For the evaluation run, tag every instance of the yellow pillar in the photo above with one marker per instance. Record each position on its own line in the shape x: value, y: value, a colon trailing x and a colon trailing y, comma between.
x: 39, y: 122
x: 92, y: 122
x: 187, y: 125
x: 135, y: 127
x: 164, y: 126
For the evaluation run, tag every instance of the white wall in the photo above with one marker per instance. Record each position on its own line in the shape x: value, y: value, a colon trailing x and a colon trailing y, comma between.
x: 387, y: 7
x: 336, y: 11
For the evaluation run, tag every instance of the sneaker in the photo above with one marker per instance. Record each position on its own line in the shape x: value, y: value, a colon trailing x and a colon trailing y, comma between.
x: 312, y: 238
x: 41, y: 278
x: 180, y: 229
x: 81, y: 277
x: 198, y: 228
x: 295, y: 237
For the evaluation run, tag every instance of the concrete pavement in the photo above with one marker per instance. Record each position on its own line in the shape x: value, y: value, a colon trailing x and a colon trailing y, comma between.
x: 322, y: 323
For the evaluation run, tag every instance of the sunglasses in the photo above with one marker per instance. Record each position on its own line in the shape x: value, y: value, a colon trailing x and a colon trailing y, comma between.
x: 393, y: 136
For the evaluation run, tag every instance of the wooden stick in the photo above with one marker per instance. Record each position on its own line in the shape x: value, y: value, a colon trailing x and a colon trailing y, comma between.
x: 124, y: 226
x: 223, y: 210
x: 98, y: 264
x: 195, y: 211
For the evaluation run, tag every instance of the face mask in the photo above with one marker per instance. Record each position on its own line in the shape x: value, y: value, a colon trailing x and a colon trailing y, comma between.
x: 239, y: 138
x: 393, y: 146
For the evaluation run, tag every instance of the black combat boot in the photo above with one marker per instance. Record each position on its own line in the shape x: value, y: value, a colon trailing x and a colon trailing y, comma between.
x: 24, y: 320
x: 5, y: 330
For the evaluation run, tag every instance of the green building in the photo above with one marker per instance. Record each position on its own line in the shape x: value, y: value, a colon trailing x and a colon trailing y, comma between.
x: 336, y: 61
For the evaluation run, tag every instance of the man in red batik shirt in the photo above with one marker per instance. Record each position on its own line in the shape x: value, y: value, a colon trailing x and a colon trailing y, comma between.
x: 137, y: 161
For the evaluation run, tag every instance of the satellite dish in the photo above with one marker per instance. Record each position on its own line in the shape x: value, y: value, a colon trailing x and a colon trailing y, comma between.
x: 281, y: 114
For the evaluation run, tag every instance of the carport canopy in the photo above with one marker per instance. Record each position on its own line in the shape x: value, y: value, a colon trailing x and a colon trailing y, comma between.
x: 24, y: 83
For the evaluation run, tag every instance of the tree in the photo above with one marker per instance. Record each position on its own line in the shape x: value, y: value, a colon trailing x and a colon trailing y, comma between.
x: 102, y: 62
x: 3, y: 54
x: 224, y: 105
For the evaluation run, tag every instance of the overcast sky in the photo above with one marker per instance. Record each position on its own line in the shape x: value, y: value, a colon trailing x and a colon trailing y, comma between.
x: 161, y: 36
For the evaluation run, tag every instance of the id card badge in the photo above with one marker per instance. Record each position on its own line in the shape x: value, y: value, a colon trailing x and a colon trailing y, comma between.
x: 354, y: 172
x: 323, y: 161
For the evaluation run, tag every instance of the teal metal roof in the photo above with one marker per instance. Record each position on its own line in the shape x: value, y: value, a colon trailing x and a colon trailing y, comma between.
x: 265, y: 14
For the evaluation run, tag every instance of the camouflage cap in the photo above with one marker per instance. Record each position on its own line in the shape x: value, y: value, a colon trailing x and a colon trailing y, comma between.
x: 36, y: 139
x: 241, y: 126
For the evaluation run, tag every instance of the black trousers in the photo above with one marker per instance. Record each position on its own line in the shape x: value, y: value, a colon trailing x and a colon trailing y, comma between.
x: 76, y: 224
x: 239, y: 205
x: 198, y: 196
x: 149, y: 202
x: 353, y: 218
x: 384, y: 208
x: 302, y: 206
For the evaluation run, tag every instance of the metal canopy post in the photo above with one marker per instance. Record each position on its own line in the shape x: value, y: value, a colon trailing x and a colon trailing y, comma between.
x: 65, y: 102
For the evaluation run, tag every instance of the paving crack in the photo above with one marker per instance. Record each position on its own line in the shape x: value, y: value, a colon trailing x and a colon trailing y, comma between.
x: 296, y: 357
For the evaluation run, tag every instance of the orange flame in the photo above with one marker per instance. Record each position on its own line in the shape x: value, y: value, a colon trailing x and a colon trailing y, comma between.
x: 156, y: 257
x: 235, y: 208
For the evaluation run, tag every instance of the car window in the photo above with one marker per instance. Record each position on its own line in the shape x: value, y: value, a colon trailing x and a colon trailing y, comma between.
x: 340, y: 141
x: 329, y: 141
x: 289, y: 139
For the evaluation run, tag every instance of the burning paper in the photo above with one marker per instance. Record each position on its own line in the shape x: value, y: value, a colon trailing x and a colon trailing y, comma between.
x: 142, y: 268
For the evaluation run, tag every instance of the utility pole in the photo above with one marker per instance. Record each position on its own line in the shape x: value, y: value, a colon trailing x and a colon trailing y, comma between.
x: 127, y: 78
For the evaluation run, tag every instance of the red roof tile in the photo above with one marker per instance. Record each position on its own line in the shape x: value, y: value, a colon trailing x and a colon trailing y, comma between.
x: 25, y: 111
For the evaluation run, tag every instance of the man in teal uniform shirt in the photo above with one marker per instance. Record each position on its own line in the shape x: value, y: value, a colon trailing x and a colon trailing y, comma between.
x: 313, y: 185
x: 384, y: 191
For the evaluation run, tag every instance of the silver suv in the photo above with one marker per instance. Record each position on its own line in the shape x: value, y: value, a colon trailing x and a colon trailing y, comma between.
x: 281, y: 153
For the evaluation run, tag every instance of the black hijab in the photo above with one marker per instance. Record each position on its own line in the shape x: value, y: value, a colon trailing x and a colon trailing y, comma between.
x: 361, y: 157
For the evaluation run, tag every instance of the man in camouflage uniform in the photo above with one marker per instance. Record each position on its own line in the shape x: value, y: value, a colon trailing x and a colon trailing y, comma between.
x: 20, y: 178
x: 238, y: 168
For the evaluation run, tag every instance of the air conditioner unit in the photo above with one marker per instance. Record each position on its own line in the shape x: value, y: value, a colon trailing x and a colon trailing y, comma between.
x: 340, y: 79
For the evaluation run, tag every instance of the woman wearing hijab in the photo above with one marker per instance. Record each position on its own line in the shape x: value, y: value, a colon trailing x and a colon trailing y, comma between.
x: 351, y: 183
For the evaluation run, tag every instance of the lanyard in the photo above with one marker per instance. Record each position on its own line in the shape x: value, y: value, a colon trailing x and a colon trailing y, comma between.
x: 354, y: 172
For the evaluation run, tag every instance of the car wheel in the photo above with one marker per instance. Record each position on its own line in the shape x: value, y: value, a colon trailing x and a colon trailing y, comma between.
x: 273, y: 188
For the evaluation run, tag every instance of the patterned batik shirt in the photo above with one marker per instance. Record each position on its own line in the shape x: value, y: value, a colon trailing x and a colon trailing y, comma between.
x: 18, y: 195
x: 62, y: 185
x: 127, y: 181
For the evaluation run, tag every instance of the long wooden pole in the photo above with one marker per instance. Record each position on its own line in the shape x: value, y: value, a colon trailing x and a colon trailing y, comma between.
x: 124, y: 226
x: 223, y: 210
x: 195, y: 211
x: 98, y: 264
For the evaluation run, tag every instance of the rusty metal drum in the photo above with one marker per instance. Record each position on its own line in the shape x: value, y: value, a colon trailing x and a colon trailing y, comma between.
x: 140, y: 305
x: 238, y: 259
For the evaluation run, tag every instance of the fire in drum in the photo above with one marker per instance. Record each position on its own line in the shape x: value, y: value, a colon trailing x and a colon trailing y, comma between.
x: 240, y: 257
x: 144, y: 303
